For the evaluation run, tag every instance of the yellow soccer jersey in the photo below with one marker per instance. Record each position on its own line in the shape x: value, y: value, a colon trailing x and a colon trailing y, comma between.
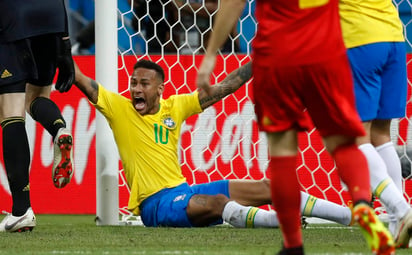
x: 148, y: 145
x: 369, y: 21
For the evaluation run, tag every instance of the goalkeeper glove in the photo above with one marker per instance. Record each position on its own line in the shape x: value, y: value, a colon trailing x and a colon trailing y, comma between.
x: 65, y: 65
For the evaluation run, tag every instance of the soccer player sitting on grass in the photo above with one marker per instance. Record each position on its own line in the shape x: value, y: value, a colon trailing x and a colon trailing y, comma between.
x: 159, y: 191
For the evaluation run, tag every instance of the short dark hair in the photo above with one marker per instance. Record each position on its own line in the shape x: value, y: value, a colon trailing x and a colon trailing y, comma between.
x: 144, y: 63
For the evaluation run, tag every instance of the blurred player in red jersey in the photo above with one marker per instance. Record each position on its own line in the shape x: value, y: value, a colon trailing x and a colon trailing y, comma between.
x: 302, y: 74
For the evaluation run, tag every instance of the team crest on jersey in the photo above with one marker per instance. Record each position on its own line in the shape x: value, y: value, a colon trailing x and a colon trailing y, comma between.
x: 168, y: 122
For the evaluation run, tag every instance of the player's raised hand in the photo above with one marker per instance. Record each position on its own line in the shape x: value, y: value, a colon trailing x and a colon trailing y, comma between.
x: 205, y: 70
x: 65, y: 65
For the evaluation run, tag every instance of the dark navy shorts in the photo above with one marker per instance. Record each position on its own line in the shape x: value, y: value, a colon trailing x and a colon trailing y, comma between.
x: 31, y: 60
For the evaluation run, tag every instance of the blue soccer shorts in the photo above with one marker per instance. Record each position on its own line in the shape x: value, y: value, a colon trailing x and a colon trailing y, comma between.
x: 379, y: 74
x: 168, y: 207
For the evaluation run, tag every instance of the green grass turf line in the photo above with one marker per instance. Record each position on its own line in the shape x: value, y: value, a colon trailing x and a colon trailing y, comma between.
x: 78, y: 234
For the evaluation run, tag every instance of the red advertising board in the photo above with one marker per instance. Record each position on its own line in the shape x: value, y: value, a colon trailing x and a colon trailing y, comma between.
x: 221, y: 143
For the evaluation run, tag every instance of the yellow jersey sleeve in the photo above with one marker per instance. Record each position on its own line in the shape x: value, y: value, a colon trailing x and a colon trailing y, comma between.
x: 369, y: 21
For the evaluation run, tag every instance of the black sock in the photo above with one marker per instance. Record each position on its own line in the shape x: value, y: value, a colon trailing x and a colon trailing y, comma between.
x: 46, y: 112
x: 363, y: 202
x: 16, y: 156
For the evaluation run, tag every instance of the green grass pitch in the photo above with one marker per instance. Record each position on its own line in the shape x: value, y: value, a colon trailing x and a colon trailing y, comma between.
x: 78, y: 234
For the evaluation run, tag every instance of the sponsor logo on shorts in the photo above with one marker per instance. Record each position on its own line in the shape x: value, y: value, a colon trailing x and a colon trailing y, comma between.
x: 6, y: 74
x: 179, y: 198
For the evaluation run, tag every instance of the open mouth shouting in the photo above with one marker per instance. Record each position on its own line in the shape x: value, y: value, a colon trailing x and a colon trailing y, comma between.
x: 139, y: 103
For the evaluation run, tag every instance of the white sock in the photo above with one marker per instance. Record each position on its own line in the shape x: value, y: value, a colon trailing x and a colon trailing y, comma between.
x: 248, y: 217
x: 388, y: 153
x: 382, y: 185
x: 315, y: 207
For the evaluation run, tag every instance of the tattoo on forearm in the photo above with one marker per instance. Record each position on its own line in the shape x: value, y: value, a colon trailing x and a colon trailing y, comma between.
x: 245, y: 72
x: 94, y: 91
x: 91, y: 91
x: 94, y: 84
x: 219, y: 94
x: 230, y: 84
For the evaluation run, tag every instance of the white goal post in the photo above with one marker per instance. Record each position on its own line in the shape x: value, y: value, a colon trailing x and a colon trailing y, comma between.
x: 107, y: 176
x: 221, y: 143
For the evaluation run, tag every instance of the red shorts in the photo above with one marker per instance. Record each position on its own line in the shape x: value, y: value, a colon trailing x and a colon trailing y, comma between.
x: 294, y: 96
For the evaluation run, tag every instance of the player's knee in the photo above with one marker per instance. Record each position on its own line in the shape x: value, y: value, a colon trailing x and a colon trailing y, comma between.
x: 27, y: 107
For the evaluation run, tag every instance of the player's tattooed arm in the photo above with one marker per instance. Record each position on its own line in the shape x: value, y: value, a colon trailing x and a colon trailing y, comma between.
x: 93, y: 92
x: 226, y: 87
x: 88, y: 86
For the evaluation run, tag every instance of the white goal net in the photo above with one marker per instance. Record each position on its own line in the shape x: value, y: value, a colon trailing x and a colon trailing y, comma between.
x: 224, y: 142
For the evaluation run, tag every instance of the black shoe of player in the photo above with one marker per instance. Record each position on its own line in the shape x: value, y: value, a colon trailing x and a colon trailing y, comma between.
x: 291, y: 251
